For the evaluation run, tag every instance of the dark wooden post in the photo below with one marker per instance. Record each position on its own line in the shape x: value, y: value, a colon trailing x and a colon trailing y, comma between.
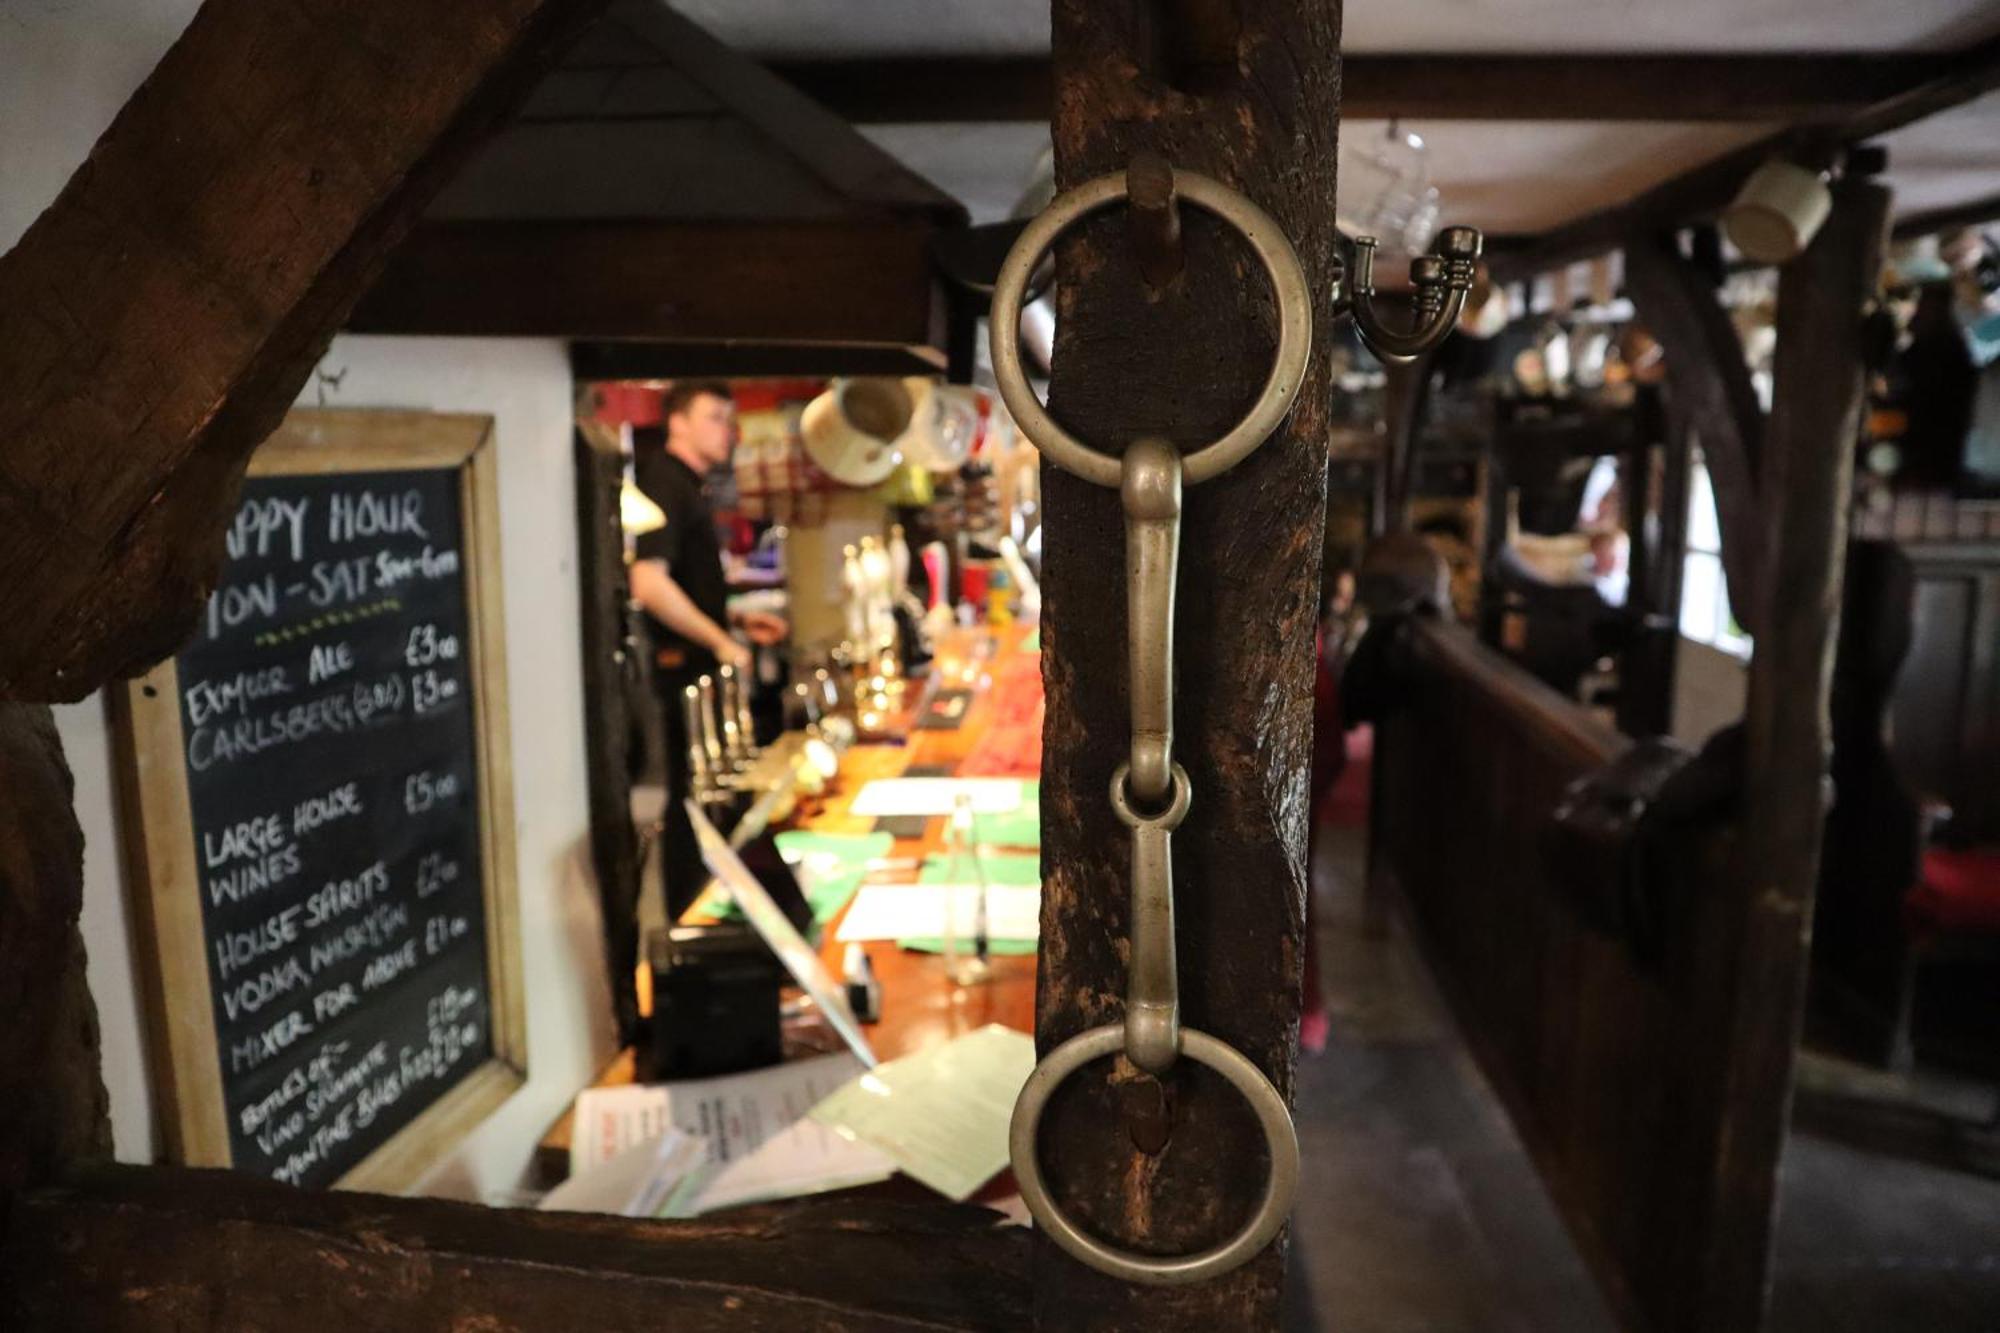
x: 53, y: 1107
x: 1808, y: 465
x: 1403, y: 409
x: 1250, y: 99
x: 1709, y: 394
x: 610, y: 663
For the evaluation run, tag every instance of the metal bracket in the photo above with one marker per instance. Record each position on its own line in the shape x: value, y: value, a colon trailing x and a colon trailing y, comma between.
x: 1441, y: 280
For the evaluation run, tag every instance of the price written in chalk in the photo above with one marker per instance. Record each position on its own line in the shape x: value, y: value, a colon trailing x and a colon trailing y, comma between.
x: 425, y: 790
x: 436, y: 872
x: 428, y: 645
x: 440, y: 932
x: 429, y: 691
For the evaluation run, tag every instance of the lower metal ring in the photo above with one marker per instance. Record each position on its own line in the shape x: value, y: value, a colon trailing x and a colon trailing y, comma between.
x: 1157, y: 1270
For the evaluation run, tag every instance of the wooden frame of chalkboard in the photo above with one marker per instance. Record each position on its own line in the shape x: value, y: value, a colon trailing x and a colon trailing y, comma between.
x: 165, y: 867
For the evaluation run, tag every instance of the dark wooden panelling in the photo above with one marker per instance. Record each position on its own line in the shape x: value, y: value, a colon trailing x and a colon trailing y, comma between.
x: 1945, y: 713
x: 862, y: 281
x: 612, y: 664
x: 1653, y: 1094
x: 1612, y: 1071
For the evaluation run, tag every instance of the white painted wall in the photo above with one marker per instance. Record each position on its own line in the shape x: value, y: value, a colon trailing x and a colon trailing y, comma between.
x: 1710, y: 689
x: 66, y: 66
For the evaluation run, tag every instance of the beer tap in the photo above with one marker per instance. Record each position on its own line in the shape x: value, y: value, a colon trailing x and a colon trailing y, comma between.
x: 1441, y: 281
x: 735, y: 745
x: 711, y: 733
x: 702, y: 777
x: 746, y: 725
x: 805, y: 706
x: 829, y: 690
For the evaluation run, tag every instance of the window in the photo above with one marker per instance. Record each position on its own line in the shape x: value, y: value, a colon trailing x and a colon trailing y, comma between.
x: 1705, y: 614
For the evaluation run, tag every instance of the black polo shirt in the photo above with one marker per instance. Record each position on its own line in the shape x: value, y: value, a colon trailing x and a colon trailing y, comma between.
x: 693, y: 556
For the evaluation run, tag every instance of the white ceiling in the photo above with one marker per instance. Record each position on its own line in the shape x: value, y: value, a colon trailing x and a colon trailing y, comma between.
x: 1504, y: 177
x: 1540, y: 26
x: 827, y: 29
x: 1947, y: 159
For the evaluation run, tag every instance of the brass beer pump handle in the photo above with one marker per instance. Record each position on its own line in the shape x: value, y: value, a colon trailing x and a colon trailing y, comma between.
x: 1150, y: 792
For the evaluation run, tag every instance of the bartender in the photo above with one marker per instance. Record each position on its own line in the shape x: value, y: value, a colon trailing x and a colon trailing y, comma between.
x: 676, y: 576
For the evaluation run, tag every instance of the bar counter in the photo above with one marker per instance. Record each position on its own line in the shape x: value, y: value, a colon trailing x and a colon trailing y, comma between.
x: 921, y: 1006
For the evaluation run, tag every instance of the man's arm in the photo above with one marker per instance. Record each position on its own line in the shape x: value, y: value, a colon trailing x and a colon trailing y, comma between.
x: 655, y: 590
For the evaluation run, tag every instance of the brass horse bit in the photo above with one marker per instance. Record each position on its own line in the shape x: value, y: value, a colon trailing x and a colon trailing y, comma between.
x: 1150, y: 476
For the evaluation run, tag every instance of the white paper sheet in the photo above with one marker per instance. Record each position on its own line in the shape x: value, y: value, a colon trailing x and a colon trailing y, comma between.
x: 917, y: 911
x: 730, y: 1115
x: 805, y: 1157
x: 635, y: 1183
x: 936, y: 796
x: 941, y: 1115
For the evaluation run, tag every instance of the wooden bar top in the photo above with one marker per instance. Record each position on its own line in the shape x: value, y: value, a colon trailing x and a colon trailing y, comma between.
x: 921, y: 1007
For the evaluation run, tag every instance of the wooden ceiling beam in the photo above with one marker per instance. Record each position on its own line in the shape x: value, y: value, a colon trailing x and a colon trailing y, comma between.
x: 863, y: 280
x: 1973, y: 213
x: 160, y: 317
x: 1785, y: 88
x: 1704, y: 191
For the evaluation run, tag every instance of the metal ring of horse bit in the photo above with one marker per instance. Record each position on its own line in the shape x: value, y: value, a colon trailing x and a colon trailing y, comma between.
x: 1288, y: 286
x: 1150, y: 476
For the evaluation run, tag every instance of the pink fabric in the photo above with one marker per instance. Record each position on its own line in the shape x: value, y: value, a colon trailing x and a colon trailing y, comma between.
x: 1959, y: 891
x: 1346, y: 804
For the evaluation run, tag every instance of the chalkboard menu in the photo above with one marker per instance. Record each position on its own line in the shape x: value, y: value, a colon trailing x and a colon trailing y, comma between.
x: 333, y: 795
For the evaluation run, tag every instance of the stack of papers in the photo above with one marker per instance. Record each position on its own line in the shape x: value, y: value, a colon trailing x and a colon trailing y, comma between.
x: 1006, y: 812
x: 636, y: 1183
x: 940, y: 1116
x: 918, y: 912
x: 892, y: 797
x: 998, y: 870
x: 805, y: 1127
x: 746, y: 1138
